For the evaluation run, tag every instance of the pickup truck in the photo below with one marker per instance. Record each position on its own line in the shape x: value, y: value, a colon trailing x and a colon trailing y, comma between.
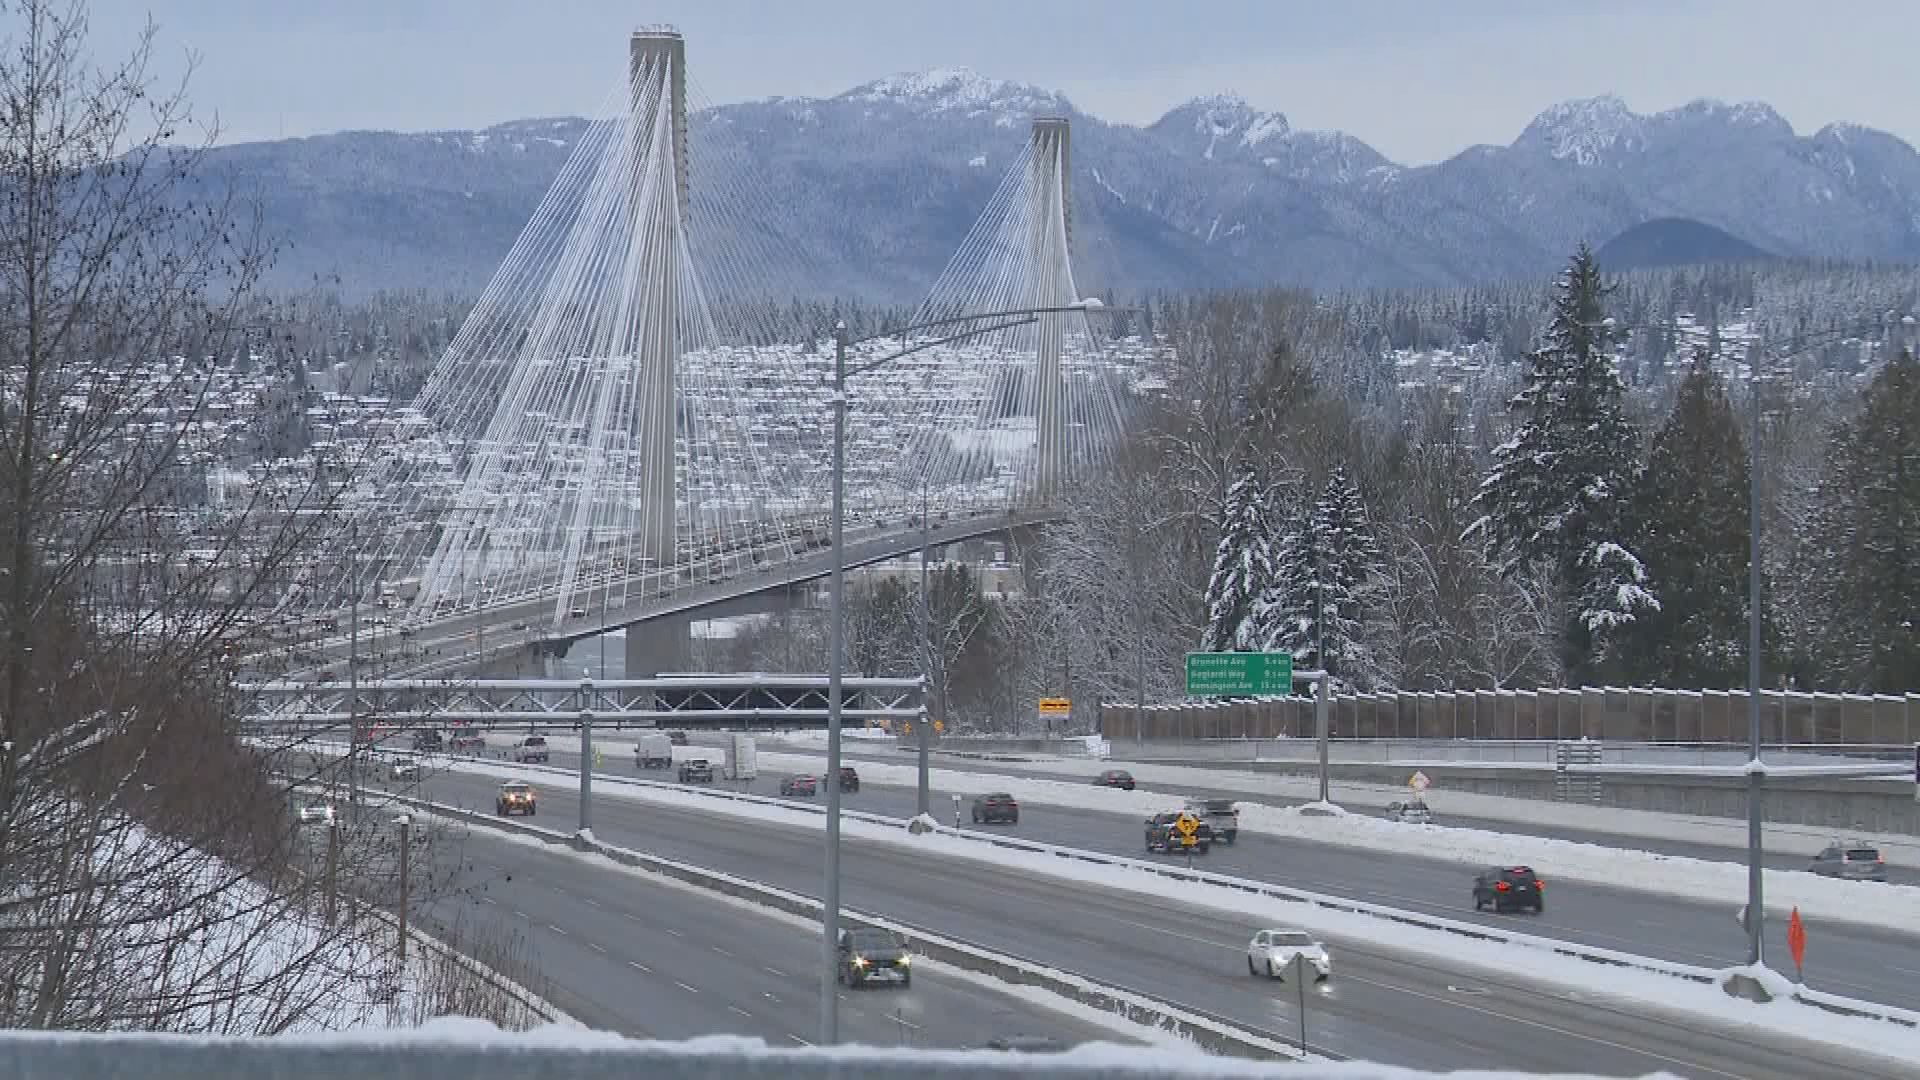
x: 1221, y: 816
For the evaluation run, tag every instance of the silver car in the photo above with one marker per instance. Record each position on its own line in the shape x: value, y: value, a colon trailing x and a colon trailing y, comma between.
x: 1854, y: 860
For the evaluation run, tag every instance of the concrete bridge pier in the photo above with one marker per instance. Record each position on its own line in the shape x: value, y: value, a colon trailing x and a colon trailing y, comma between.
x: 658, y: 646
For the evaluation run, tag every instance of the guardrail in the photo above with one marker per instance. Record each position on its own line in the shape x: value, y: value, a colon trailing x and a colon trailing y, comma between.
x: 1204, y: 1029
x: 461, y: 1050
x: 1450, y: 927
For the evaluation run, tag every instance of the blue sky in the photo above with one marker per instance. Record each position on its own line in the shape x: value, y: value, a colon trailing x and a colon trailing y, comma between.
x: 1418, y: 79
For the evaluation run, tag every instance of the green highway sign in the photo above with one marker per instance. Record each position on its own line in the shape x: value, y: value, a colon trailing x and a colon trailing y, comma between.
x: 1239, y: 674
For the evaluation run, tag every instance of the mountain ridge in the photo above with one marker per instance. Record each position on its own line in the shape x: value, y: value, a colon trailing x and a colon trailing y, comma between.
x: 876, y: 185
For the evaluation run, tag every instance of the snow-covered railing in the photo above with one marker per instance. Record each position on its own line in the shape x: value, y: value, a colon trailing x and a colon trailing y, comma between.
x: 460, y: 1049
x: 1610, y: 714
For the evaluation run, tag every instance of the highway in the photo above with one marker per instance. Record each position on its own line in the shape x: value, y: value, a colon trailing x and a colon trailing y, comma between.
x: 1778, y: 858
x: 654, y: 960
x: 1414, y: 1010
x: 1844, y: 959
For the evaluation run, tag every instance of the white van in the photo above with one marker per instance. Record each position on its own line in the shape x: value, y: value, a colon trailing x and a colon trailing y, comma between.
x: 653, y: 752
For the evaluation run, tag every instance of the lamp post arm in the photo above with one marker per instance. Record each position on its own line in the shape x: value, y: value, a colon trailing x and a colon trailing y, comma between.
x: 862, y: 369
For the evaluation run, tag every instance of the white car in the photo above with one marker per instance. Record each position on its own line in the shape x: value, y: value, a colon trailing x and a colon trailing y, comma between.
x: 1414, y: 812
x: 316, y: 814
x: 405, y: 768
x: 1272, y: 952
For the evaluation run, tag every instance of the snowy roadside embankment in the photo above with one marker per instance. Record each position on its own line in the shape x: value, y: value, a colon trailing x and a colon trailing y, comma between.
x: 1861, y: 903
x: 1227, y: 781
x: 484, y: 1052
x: 1542, y: 960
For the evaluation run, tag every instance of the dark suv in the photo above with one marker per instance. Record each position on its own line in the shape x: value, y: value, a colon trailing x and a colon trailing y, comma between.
x: 1115, y: 778
x: 869, y: 955
x: 1163, y: 834
x: 1509, y: 888
x: 999, y: 806
x: 428, y: 740
x: 849, y: 780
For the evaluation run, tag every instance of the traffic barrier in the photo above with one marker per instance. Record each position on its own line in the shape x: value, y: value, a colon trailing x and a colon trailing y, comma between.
x: 1573, y: 950
x: 1203, y: 1029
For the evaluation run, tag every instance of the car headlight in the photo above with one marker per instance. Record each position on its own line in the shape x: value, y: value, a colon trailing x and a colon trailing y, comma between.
x: 859, y: 961
x: 906, y: 961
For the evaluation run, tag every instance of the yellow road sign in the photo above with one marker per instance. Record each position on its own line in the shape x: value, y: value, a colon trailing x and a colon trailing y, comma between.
x: 1189, y: 827
x: 939, y: 726
x: 1056, y: 706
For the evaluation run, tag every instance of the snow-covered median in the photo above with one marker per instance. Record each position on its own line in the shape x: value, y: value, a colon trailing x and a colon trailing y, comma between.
x: 1641, y: 988
x: 1708, y: 881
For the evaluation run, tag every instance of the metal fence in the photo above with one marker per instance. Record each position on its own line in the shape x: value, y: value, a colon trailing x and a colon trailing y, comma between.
x: 1610, y: 714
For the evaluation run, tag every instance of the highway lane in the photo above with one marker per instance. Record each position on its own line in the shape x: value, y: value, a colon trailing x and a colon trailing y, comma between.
x: 1777, y: 858
x: 1876, y: 965
x: 1412, y: 1010
x: 653, y: 960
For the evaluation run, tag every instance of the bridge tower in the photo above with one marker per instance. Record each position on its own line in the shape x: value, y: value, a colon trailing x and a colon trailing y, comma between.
x: 1051, y: 285
x: 657, y: 83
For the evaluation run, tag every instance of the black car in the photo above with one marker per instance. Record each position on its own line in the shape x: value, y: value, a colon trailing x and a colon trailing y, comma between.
x: 1000, y: 806
x: 1163, y: 834
x: 1509, y: 888
x: 697, y: 771
x: 868, y: 955
x: 849, y: 780
x: 428, y: 740
x: 1118, y: 778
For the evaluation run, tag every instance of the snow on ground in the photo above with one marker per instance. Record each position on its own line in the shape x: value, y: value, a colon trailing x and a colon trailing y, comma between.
x: 1862, y: 902
x: 1729, y: 833
x: 1033, y: 995
x: 1641, y: 988
x: 755, y: 1055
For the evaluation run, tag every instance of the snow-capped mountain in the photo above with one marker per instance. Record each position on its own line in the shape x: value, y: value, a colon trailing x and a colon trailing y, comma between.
x: 873, y: 189
x: 959, y: 89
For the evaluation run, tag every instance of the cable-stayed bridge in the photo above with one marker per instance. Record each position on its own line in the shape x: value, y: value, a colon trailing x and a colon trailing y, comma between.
x: 620, y: 431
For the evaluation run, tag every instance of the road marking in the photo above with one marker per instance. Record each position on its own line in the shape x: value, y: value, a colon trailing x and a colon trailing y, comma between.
x: 556, y: 930
x: 904, y: 1022
x: 488, y: 900
x: 741, y: 1011
x: 719, y: 950
x: 1510, y: 1018
x: 674, y: 932
x: 634, y: 917
x: 769, y: 997
x: 639, y: 965
x: 596, y: 947
x: 518, y: 914
x: 685, y: 987
x: 799, y: 1040
x: 591, y: 902
x: 775, y: 972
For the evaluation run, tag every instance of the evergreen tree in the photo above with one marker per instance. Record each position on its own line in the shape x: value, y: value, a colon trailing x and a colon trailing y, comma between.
x: 1872, y: 504
x: 1241, y: 567
x: 1346, y: 564
x: 1282, y: 613
x: 1559, y: 490
x: 1694, y: 532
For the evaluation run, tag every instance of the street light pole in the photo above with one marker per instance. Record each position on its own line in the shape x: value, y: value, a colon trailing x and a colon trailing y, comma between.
x: 972, y: 326
x: 1756, y: 775
x: 925, y: 804
x: 830, y: 909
